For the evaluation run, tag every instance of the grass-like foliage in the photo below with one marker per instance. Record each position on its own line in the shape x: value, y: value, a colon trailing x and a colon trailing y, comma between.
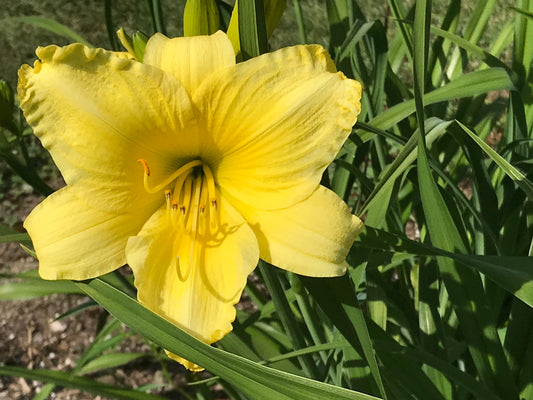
x: 437, y: 303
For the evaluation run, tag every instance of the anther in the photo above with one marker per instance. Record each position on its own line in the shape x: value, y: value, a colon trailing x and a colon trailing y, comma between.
x: 168, y: 199
x: 145, y: 166
x: 174, y: 205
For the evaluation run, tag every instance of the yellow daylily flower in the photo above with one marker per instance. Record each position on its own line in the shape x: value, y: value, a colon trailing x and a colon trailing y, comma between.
x: 190, y: 168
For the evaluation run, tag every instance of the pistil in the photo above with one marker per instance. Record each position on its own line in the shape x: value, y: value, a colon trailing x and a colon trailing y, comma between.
x: 185, y: 169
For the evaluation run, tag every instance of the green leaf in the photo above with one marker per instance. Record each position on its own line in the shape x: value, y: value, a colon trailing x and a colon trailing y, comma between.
x: 156, y: 12
x: 52, y: 26
x: 523, y: 12
x: 523, y: 54
x: 66, y: 379
x: 525, y: 184
x: 256, y: 381
x: 518, y: 337
x: 399, y: 13
x: 9, y: 235
x: 476, y: 24
x: 44, y: 392
x: 110, y: 360
x: 16, y: 237
x: 35, y: 288
x: 467, y: 85
x: 338, y: 299
x: 102, y: 342
x: 461, y: 378
x: 287, y: 318
x: 513, y: 273
x: 339, y: 21
x: 472, y: 49
x: 402, y: 162
x: 252, y: 28
x: 420, y: 47
x: 90, y: 303
x: 273, y: 10
x: 336, y: 344
x: 354, y: 36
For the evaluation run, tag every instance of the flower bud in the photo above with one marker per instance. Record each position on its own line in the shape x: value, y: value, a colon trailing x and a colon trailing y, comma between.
x: 139, y: 44
x: 126, y: 41
x: 200, y: 18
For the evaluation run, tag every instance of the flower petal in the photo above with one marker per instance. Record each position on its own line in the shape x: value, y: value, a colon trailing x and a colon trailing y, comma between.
x: 274, y: 123
x: 98, y: 113
x: 198, y: 296
x: 190, y: 59
x: 311, y: 238
x: 75, y: 241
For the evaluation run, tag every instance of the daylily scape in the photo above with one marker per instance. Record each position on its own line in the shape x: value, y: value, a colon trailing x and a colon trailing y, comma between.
x: 189, y: 168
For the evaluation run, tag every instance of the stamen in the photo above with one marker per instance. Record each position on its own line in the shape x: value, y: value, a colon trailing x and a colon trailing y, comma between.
x: 179, y: 185
x: 203, y: 196
x: 185, y: 199
x: 210, y: 185
x: 193, y: 248
x: 171, y: 178
x: 168, y: 198
x: 196, y: 204
x: 192, y: 206
x: 173, y: 216
x: 205, y: 212
x: 214, y: 220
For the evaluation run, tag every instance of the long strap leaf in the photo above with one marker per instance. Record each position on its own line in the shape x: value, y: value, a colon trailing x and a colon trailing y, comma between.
x: 256, y: 381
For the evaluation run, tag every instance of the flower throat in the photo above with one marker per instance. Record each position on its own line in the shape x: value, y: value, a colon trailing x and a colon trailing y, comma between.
x: 192, y: 204
x: 192, y: 209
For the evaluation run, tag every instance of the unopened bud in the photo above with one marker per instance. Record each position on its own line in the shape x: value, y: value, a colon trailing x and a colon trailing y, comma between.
x: 139, y: 44
x: 200, y: 18
x: 126, y: 41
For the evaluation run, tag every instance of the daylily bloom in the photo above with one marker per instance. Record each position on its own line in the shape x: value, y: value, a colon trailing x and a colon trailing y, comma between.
x: 190, y: 168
